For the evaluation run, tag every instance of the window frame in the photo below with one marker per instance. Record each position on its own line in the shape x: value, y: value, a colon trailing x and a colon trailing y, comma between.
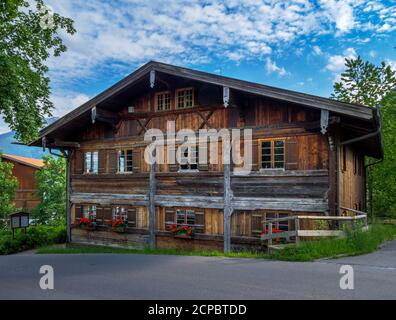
x: 126, y: 161
x: 184, y: 98
x: 162, y: 93
x: 190, y: 169
x: 89, y: 211
x: 119, y: 212
x: 92, y: 169
x: 272, y: 150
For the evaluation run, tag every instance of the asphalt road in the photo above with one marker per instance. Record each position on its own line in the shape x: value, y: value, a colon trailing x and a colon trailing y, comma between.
x: 102, y: 276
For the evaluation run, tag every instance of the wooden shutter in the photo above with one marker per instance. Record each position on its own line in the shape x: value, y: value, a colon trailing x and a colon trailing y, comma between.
x: 291, y: 146
x: 136, y: 160
x: 203, y: 166
x: 78, y: 212
x: 169, y: 217
x: 200, y: 221
x: 107, y: 213
x: 78, y: 162
x: 99, y: 216
x: 131, y: 212
x: 255, y: 156
x: 257, y: 224
x: 102, y: 161
x: 112, y: 161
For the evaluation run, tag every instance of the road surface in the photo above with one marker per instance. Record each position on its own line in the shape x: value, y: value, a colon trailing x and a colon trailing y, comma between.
x: 108, y: 276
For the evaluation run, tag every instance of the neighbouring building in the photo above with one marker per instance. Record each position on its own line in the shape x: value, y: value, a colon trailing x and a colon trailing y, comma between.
x: 308, y: 158
x: 24, y: 170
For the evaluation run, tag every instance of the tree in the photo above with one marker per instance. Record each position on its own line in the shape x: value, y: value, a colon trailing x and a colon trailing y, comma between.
x: 364, y: 83
x: 373, y: 86
x: 8, y: 188
x: 383, y: 176
x: 29, y: 35
x: 51, y: 184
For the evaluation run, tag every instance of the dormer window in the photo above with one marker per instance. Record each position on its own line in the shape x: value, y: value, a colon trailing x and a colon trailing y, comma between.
x: 185, y: 98
x: 163, y: 101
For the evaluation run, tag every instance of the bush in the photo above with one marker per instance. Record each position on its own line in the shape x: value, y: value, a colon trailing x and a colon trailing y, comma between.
x: 35, y: 236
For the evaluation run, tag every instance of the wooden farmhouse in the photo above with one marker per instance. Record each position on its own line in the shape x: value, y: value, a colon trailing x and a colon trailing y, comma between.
x: 24, y: 170
x: 307, y: 158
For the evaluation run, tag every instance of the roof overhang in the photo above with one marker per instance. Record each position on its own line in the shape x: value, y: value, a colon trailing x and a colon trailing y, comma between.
x: 360, y: 112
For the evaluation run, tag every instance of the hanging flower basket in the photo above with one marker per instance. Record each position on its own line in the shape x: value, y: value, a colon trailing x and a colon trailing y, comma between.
x: 87, y: 224
x: 183, y: 232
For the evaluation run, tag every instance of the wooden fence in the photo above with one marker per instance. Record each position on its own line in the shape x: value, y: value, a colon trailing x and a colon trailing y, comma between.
x: 336, y: 226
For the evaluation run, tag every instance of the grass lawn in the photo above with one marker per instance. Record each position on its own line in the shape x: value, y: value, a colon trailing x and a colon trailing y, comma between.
x: 355, y: 244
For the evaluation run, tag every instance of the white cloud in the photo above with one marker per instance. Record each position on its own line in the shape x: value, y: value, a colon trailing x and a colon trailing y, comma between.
x: 341, y: 13
x: 67, y: 101
x: 272, y: 67
x: 128, y: 33
x: 317, y: 50
x: 392, y: 64
x: 336, y: 63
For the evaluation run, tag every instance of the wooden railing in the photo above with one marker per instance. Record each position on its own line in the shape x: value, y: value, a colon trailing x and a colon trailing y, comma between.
x: 336, y: 226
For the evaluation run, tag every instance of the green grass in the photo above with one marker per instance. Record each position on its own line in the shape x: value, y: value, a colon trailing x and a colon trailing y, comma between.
x: 355, y: 244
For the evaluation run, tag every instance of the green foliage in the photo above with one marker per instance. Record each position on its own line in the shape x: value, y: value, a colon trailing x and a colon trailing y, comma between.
x: 371, y: 85
x: 51, y: 184
x: 355, y: 243
x: 383, y: 176
x: 364, y: 83
x: 8, y: 187
x: 35, y: 237
x: 25, y: 46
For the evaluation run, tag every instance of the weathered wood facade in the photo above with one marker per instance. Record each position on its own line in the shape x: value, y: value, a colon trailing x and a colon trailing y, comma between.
x: 24, y: 170
x: 307, y: 158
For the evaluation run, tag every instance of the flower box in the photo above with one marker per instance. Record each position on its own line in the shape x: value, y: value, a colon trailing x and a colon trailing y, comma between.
x: 182, y: 231
x: 119, y: 226
x: 87, y: 224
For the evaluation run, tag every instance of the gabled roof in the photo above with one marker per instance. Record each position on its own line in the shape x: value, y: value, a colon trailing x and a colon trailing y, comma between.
x: 353, y: 110
x: 35, y: 163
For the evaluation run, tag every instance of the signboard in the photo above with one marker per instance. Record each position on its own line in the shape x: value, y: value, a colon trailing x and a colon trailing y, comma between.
x: 19, y: 220
x: 24, y: 221
x: 15, y: 222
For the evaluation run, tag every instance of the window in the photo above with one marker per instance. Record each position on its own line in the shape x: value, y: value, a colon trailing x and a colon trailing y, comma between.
x: 189, y: 158
x: 120, y: 213
x: 163, y: 101
x: 91, y: 162
x: 261, y: 219
x: 125, y: 161
x: 89, y: 212
x: 185, y: 217
x: 185, y: 98
x: 272, y: 154
x: 193, y: 218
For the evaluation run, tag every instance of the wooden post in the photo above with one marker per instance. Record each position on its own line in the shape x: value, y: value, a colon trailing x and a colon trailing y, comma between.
x: 227, y: 208
x: 297, y: 227
x: 269, y: 236
x: 151, y: 206
x: 68, y: 156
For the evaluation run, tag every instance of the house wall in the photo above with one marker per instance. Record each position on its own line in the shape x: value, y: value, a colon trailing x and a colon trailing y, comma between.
x: 25, y: 197
x: 301, y: 188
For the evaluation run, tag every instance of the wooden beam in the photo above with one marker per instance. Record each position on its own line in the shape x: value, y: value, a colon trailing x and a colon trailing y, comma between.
x: 151, y: 206
x: 66, y: 144
x: 205, y: 119
x: 68, y: 155
x: 227, y: 210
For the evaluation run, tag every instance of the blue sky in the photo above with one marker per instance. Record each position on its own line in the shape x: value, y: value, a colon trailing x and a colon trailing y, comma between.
x: 295, y: 44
